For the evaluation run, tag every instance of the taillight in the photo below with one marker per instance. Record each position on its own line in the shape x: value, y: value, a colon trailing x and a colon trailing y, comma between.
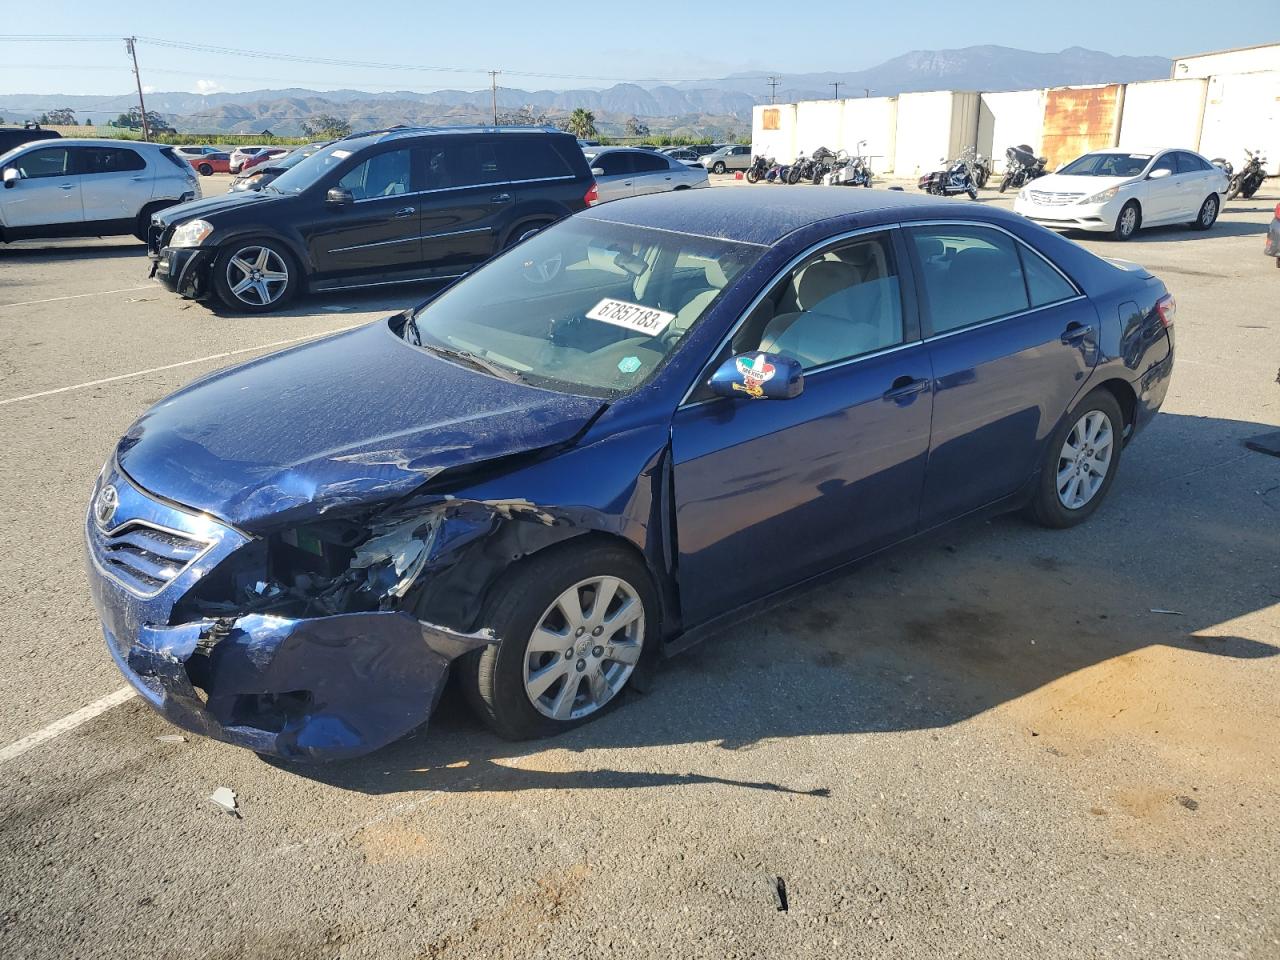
x: 593, y: 195
x: 1167, y: 308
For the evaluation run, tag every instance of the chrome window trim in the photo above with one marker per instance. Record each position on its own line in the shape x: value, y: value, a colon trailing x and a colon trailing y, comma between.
x: 777, y: 276
x: 422, y: 236
x: 469, y: 186
x: 391, y: 283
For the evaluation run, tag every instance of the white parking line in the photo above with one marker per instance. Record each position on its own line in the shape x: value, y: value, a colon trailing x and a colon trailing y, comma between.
x: 67, y: 723
x: 77, y: 296
x: 180, y: 363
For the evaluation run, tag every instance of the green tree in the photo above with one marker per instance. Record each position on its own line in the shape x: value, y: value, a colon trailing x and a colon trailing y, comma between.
x: 133, y: 121
x: 524, y: 117
x: 62, y: 117
x: 637, y: 128
x: 326, y: 127
x: 582, y: 123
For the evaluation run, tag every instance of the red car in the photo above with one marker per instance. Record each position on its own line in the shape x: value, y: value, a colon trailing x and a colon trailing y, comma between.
x: 262, y: 157
x: 206, y: 160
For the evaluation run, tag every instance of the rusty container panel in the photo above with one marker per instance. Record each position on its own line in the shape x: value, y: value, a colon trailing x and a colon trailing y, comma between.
x: 1080, y: 119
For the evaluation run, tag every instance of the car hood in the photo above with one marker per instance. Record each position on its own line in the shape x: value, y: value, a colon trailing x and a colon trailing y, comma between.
x: 1064, y: 183
x: 213, y: 205
x: 356, y: 419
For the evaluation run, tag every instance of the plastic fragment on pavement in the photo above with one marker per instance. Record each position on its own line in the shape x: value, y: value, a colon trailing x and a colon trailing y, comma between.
x: 172, y: 738
x: 225, y: 798
x: 1169, y: 613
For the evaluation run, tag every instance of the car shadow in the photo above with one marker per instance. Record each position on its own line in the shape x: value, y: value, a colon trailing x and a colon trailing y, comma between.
x: 48, y: 251
x: 391, y: 299
x: 922, y: 637
x: 1180, y: 233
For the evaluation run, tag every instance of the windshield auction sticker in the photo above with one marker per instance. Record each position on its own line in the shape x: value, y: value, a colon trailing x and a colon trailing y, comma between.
x: 631, y: 316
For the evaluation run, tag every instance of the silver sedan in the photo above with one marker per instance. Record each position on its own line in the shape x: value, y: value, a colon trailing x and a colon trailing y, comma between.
x: 625, y: 172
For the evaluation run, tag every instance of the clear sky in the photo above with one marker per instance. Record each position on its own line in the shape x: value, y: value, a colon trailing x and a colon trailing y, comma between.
x: 452, y: 44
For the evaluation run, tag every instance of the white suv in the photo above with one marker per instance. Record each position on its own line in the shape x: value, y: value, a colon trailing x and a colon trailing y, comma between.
x: 89, y: 188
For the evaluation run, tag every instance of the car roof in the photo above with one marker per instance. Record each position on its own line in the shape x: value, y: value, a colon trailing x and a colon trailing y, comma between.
x: 366, y: 138
x: 766, y: 215
x: 98, y: 142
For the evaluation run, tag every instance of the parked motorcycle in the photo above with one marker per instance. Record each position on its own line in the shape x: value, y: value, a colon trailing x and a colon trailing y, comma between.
x: 1021, y: 166
x: 1249, y: 179
x: 777, y: 173
x: 802, y: 169
x: 981, y: 169
x: 851, y: 171
x: 957, y: 178
x: 824, y: 162
x: 760, y: 165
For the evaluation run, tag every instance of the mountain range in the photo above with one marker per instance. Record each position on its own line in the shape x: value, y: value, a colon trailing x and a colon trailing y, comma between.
x: 717, y: 108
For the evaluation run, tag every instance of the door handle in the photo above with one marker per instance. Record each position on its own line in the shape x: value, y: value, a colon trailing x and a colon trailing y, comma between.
x: 137, y: 179
x: 905, y: 387
x: 1075, y: 333
x: 626, y: 183
x: 500, y: 198
x: 405, y: 212
x: 68, y: 186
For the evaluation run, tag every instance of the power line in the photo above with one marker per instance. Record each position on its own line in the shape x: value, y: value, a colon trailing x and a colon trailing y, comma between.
x: 773, y: 88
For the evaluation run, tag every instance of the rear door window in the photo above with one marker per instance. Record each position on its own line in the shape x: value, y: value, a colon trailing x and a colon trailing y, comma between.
x: 94, y: 160
x: 1189, y: 163
x: 530, y: 158
x: 971, y: 274
x: 649, y: 162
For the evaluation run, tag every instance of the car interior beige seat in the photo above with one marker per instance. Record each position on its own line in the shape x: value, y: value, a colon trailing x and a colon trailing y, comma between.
x: 836, y: 315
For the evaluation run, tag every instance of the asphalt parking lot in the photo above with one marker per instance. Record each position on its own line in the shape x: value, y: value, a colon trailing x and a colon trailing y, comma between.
x: 989, y: 744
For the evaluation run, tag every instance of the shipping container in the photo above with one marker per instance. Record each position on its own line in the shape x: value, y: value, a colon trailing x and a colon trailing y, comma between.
x: 1243, y: 110
x: 933, y: 128
x: 1010, y: 119
x: 1162, y: 113
x: 773, y: 131
x: 873, y: 119
x: 818, y: 124
x: 1080, y: 119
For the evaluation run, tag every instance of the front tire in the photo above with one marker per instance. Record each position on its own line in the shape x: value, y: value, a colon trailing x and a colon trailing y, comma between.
x: 1128, y: 222
x: 1080, y: 462
x: 205, y: 170
x: 573, y: 624
x: 1004, y: 184
x: 718, y: 167
x: 256, y: 275
x: 1208, y: 214
x: 752, y: 176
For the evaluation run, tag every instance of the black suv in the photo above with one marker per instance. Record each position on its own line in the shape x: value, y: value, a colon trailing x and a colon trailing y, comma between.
x: 390, y: 206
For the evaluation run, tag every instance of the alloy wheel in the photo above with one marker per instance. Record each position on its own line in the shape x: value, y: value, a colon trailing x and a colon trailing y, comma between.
x: 1209, y: 212
x: 584, y: 648
x: 1128, y: 221
x: 1085, y: 459
x: 257, y: 275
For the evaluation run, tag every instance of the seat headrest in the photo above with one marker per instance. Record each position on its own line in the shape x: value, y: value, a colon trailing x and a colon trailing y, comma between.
x: 823, y: 279
x: 931, y: 247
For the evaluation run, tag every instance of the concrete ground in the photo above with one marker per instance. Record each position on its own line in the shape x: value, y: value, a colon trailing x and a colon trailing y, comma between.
x: 987, y: 745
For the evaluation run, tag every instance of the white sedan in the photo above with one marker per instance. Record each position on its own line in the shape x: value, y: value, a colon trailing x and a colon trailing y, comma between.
x: 1119, y: 191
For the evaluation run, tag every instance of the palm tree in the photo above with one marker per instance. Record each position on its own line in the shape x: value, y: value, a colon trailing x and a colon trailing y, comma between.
x: 582, y: 123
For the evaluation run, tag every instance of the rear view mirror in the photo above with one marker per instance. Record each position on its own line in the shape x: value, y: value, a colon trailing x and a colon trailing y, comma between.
x: 11, y: 177
x: 1159, y: 173
x: 337, y: 196
x: 760, y: 376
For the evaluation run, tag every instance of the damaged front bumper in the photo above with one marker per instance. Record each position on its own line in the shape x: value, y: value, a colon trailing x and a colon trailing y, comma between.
x: 187, y: 271
x: 322, y: 688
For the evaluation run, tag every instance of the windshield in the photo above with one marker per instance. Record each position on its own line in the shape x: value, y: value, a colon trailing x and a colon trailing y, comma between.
x: 586, y: 306
x: 1107, y: 165
x: 310, y: 169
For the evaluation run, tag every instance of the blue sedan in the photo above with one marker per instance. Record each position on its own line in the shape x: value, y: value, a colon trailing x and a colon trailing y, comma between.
x: 634, y: 426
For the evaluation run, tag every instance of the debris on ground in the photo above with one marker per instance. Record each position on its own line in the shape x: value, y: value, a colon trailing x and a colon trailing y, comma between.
x: 172, y: 738
x: 1169, y: 613
x: 225, y: 798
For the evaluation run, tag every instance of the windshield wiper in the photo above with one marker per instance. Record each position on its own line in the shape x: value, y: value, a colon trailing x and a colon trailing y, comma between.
x: 468, y: 359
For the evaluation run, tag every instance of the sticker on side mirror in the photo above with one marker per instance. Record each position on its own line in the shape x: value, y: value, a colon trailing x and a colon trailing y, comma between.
x: 631, y: 316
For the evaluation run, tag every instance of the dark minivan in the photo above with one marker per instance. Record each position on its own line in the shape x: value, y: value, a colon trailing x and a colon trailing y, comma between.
x: 392, y: 206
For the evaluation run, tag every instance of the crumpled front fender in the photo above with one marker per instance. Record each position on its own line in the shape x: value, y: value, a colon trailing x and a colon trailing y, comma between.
x: 326, y: 688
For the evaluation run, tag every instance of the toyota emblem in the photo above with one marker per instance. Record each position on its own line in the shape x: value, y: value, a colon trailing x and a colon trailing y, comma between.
x: 104, y: 506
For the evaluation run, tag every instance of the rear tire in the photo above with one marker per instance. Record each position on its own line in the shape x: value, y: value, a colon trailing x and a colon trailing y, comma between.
x: 1079, y: 463
x: 501, y: 681
x: 1208, y: 214
x: 205, y: 170
x: 1233, y: 190
x: 144, y: 218
x: 1128, y: 222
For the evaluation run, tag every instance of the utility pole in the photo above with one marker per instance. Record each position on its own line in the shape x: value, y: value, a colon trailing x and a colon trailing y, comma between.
x: 836, y: 84
x: 866, y: 91
x: 773, y: 88
x: 493, y: 86
x: 129, y: 44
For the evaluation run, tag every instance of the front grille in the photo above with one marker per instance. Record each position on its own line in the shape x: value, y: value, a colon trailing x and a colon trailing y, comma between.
x: 1047, y: 198
x: 147, y: 559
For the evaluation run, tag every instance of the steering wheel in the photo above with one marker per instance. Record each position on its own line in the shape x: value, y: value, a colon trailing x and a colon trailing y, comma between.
x: 542, y: 271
